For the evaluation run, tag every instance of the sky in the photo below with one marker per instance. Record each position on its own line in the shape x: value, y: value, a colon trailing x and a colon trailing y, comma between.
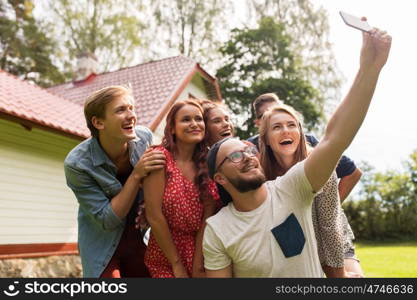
x: 389, y: 132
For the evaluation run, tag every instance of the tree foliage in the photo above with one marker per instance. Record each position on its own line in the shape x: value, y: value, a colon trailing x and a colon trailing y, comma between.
x: 260, y: 60
x: 25, y: 49
x: 191, y: 28
x: 109, y: 29
x: 308, y: 26
x: 388, y: 205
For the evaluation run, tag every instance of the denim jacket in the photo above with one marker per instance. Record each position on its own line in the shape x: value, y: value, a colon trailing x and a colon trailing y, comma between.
x: 92, y: 177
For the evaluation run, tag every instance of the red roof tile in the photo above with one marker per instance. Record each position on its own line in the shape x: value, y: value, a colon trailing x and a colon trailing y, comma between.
x: 153, y: 84
x: 26, y: 101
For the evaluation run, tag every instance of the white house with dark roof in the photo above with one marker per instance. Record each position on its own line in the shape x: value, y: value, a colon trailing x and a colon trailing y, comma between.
x: 38, y: 127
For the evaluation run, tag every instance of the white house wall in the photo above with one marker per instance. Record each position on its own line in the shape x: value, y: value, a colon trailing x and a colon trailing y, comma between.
x: 194, y: 88
x: 36, y: 206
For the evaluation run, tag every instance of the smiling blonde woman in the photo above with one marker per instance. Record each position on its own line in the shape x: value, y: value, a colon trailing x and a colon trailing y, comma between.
x: 282, y: 145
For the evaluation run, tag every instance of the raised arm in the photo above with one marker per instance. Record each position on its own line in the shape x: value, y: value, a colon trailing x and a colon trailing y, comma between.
x: 350, y: 114
x: 153, y: 188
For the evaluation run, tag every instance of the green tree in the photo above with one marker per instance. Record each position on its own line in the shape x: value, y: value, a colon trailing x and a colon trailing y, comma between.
x: 308, y: 26
x: 388, y: 203
x: 260, y: 60
x: 109, y: 29
x: 191, y: 28
x: 26, y: 51
x: 366, y: 216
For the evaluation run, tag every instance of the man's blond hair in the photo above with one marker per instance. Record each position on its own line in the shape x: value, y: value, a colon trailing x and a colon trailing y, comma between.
x: 95, y: 104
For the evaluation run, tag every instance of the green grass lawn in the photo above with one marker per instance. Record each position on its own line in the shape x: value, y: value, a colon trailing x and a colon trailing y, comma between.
x: 388, y: 259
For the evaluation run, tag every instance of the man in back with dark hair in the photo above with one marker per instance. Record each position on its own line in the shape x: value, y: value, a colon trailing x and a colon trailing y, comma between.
x: 260, y: 105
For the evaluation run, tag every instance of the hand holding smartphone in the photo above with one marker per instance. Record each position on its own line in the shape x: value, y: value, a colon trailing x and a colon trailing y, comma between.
x: 355, y: 22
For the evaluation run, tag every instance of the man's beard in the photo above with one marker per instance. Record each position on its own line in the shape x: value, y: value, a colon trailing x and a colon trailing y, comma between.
x: 246, y: 185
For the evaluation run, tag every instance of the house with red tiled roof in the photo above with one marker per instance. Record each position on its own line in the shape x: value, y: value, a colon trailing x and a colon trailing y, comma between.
x: 156, y: 86
x: 38, y: 127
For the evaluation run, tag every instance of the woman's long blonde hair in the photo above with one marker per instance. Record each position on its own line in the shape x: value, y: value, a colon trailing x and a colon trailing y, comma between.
x: 269, y: 163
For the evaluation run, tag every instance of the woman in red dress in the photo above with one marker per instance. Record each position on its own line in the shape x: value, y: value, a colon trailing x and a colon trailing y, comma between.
x: 180, y: 197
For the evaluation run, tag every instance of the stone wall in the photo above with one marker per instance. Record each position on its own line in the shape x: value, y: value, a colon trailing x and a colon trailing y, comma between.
x: 49, y: 267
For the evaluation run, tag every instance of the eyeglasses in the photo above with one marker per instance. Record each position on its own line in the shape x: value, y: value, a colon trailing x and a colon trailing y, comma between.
x: 237, y: 156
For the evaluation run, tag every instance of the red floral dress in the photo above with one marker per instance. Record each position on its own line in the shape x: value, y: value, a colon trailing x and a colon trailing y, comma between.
x: 183, y: 211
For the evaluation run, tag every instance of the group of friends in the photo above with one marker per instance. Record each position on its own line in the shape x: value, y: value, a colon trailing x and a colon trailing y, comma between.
x: 218, y: 206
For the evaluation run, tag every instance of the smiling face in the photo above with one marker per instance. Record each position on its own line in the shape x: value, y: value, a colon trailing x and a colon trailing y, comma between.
x: 218, y: 125
x: 119, y: 120
x: 245, y: 175
x: 189, y: 125
x: 283, y: 134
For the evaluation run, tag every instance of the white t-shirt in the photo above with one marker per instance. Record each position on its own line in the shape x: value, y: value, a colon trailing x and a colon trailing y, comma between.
x: 245, y: 240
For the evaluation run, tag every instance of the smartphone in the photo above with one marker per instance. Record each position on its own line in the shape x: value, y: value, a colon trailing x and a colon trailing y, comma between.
x: 355, y: 22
